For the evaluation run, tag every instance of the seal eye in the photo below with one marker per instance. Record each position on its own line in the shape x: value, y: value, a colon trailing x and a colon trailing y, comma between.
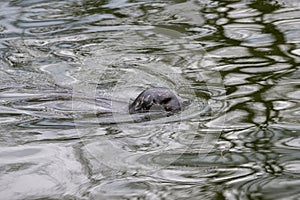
x: 166, y: 100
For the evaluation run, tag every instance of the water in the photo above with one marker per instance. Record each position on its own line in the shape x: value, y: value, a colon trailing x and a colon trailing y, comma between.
x: 69, y: 69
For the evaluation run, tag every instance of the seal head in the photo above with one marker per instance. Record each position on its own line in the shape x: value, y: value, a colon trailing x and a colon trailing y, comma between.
x: 156, y: 99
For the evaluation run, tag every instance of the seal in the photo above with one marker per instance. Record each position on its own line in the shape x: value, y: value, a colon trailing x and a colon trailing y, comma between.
x: 156, y: 99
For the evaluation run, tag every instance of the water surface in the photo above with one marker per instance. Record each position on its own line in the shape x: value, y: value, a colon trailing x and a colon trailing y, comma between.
x: 69, y: 69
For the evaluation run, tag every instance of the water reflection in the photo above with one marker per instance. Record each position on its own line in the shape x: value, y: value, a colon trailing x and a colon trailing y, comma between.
x: 69, y: 69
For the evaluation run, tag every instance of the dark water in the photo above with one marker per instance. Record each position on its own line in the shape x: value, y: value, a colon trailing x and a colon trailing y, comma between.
x: 68, y: 70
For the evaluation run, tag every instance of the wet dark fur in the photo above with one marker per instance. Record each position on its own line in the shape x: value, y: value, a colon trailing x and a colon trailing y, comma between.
x: 156, y: 99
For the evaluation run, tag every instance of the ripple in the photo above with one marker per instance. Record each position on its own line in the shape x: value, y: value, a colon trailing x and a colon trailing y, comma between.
x: 123, y: 188
x: 232, y: 175
x: 287, y: 22
x: 290, y: 143
x: 231, y: 52
x: 131, y: 148
x: 250, y: 34
x: 202, y: 31
x: 241, y: 11
x: 292, y: 167
x: 283, y: 105
x: 270, y: 68
x: 265, y: 188
x: 281, y: 90
x: 45, y: 164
